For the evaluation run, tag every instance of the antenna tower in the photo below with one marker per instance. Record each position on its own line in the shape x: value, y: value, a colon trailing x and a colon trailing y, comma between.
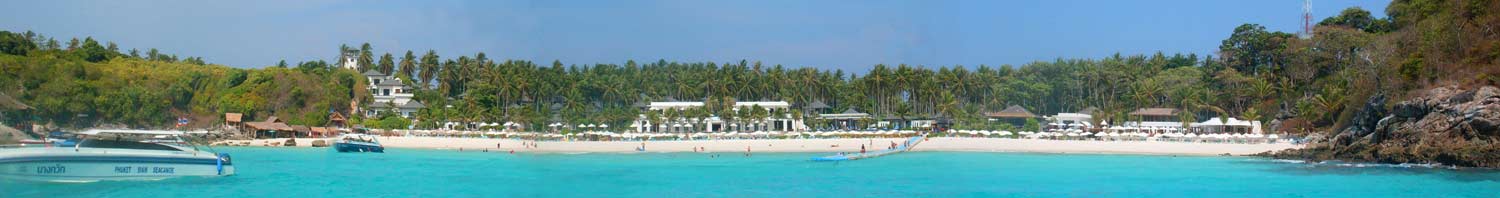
x: 1307, y: 19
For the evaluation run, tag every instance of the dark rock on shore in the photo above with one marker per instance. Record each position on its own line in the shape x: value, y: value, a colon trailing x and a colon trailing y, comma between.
x: 1446, y: 126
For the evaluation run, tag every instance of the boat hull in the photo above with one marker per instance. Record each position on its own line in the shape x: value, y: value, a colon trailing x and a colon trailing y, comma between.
x: 85, y: 167
x: 91, y: 171
x: 352, y: 147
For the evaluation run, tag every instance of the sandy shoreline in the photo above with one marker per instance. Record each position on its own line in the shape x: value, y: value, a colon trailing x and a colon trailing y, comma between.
x: 819, y: 145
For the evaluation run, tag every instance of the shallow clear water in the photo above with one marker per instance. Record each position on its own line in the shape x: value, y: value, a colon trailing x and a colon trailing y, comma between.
x: 306, y: 172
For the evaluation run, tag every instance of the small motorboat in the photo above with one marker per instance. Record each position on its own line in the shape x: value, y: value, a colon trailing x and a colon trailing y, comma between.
x: 114, y: 155
x: 60, y: 139
x: 358, y: 143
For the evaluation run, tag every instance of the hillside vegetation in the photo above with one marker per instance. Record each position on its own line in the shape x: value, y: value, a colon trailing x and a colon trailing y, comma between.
x: 1297, y: 84
x: 70, y: 88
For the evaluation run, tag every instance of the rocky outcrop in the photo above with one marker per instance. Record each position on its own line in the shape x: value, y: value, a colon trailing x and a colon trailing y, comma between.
x: 290, y: 142
x: 319, y: 143
x: 1446, y: 125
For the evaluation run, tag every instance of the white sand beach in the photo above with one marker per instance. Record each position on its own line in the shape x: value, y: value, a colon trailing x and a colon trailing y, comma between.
x: 1092, y: 146
x: 821, y: 145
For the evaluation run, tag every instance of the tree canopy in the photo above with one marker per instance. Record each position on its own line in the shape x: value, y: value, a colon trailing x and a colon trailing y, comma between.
x: 1257, y: 74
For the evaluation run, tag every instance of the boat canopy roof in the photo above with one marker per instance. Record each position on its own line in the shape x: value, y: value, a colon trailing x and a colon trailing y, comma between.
x: 125, y: 131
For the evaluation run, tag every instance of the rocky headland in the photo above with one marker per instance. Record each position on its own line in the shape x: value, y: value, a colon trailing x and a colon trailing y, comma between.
x: 1446, y: 125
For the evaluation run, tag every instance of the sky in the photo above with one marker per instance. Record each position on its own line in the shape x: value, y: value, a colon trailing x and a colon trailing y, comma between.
x: 826, y: 34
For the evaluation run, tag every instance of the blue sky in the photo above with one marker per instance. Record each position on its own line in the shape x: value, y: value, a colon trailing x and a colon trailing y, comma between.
x: 849, y: 35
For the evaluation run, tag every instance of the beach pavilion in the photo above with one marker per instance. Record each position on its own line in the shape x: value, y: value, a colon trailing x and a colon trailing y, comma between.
x: 1156, y: 120
x: 847, y: 120
x: 1068, y: 121
x: 1227, y: 125
x: 816, y: 107
x: 715, y: 123
x: 1015, y: 115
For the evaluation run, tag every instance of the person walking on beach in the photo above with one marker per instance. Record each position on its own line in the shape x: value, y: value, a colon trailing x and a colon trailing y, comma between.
x: 861, y: 149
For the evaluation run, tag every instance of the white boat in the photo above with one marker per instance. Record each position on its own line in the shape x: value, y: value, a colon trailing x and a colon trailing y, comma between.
x: 114, y: 155
x: 358, y: 143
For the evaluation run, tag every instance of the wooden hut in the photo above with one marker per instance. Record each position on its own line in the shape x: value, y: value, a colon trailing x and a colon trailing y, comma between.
x: 272, y: 127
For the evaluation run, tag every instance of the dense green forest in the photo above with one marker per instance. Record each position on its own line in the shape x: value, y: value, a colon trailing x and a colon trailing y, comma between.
x: 1306, y: 82
x: 86, y: 83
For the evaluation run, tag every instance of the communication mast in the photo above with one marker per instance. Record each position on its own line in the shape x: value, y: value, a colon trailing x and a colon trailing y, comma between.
x: 1307, y: 19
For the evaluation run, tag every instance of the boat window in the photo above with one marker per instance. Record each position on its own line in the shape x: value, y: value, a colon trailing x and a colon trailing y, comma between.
x: 92, y: 143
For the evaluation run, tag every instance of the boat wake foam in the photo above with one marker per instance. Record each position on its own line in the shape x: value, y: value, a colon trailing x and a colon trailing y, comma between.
x: 1338, y: 163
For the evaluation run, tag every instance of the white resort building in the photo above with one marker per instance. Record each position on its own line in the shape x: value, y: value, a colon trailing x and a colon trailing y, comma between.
x: 349, y: 61
x: 390, y: 94
x: 780, y: 120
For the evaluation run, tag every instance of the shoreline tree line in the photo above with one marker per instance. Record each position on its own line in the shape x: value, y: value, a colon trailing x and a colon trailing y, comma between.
x: 1304, y: 82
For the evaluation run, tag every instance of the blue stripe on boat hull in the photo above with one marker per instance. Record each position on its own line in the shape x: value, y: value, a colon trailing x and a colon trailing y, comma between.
x: 163, y: 160
x: 342, y: 147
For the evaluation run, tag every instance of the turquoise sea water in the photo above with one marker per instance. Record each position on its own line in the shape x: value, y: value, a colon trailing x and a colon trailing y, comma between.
x: 307, y: 172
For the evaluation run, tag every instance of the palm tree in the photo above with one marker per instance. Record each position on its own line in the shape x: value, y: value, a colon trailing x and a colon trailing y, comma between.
x: 673, y: 117
x: 1252, y: 115
x: 949, y: 106
x: 655, y: 118
x: 408, y: 65
x: 430, y: 68
x: 797, y: 115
